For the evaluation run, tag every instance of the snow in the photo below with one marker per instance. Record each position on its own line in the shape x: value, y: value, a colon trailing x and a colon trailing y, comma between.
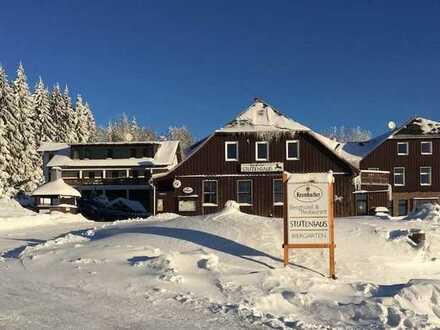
x: 427, y: 212
x: 166, y: 154
x: 58, y: 188
x: 355, y: 151
x: 15, y: 217
x: 131, y: 204
x: 52, y: 146
x: 227, y: 269
x: 261, y: 117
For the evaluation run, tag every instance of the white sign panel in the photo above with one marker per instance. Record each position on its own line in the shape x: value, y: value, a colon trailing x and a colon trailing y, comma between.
x: 308, y: 208
x: 262, y: 167
x: 187, y: 205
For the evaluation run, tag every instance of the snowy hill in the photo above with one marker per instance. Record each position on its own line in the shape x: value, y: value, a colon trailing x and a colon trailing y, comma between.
x: 230, y: 263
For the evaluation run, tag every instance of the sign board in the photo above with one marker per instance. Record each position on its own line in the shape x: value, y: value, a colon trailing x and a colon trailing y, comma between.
x: 308, y: 215
x: 187, y: 205
x: 188, y: 190
x: 376, y: 178
x: 262, y: 167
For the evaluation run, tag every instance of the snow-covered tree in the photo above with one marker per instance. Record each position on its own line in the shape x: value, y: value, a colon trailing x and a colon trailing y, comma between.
x: 70, y: 117
x: 82, y: 120
x: 27, y: 163
x: 348, y: 134
x: 91, y: 123
x: 7, y: 123
x: 57, y: 111
x: 45, y: 125
x: 181, y: 134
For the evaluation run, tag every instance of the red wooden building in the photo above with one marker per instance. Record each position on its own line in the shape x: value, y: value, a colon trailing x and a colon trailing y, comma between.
x: 244, y: 162
x: 410, y: 154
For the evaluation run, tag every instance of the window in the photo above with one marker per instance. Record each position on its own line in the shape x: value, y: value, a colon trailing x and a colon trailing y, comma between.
x: 361, y: 204
x: 45, y: 201
x: 109, y: 153
x: 292, y: 150
x: 210, y: 193
x: 399, y: 176
x: 75, y: 154
x: 137, y: 174
x: 426, y: 147
x: 231, y: 151
x: 70, y: 174
x: 403, y: 207
x: 132, y: 153
x: 115, y: 174
x: 425, y: 176
x: 402, y: 148
x: 278, y: 192
x: 373, y: 169
x: 262, y: 150
x: 244, y: 192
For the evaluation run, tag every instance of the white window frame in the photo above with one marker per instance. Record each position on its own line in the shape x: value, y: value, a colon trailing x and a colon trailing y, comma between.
x: 227, y: 143
x: 287, y: 149
x: 252, y: 192
x: 407, y: 148
x: 216, y: 193
x: 421, y: 147
x: 256, y: 150
x: 403, y: 175
x: 425, y: 173
x: 273, y: 192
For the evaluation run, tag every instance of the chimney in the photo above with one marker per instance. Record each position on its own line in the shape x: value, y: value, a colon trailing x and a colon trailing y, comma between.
x: 55, y: 173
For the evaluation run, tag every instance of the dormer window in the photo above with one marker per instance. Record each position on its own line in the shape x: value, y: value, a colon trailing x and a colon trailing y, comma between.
x: 426, y: 147
x: 231, y: 151
x: 402, y: 148
x: 262, y: 151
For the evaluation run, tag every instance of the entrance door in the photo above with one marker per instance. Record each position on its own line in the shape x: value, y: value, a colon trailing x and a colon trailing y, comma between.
x: 361, y: 204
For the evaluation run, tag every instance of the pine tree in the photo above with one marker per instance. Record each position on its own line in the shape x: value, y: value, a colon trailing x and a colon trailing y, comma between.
x: 82, y: 121
x: 7, y: 120
x: 27, y: 161
x: 58, y: 114
x: 91, y: 123
x: 181, y: 134
x: 69, y: 117
x: 44, y: 121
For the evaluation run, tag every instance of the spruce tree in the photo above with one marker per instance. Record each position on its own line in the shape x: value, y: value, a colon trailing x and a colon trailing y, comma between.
x: 91, y: 123
x: 44, y: 121
x: 81, y: 127
x: 69, y: 117
x: 28, y: 162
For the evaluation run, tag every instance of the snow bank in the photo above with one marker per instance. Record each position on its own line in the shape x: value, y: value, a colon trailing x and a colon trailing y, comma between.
x: 14, y: 217
x: 427, y: 212
x: 230, y: 262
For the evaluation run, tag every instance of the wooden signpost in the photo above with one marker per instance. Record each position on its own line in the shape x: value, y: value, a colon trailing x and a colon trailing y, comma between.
x: 309, y: 214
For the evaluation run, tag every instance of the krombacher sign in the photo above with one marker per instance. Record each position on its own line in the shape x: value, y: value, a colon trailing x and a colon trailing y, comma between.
x: 262, y: 167
x: 308, y: 218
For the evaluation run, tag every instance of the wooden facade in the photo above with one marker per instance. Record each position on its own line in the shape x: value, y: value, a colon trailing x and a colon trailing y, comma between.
x: 208, y: 162
x: 410, y: 160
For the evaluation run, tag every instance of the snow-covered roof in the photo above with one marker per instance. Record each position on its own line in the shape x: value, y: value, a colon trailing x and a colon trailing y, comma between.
x: 419, y: 126
x: 261, y: 117
x: 52, y: 146
x: 116, y: 143
x: 166, y: 153
x: 355, y: 151
x: 58, y: 188
x: 164, y: 156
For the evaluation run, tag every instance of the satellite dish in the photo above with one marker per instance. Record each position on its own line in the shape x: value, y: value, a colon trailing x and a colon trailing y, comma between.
x: 128, y: 137
x: 391, y: 125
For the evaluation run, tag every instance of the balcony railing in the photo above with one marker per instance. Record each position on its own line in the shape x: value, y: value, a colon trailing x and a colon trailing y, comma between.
x: 106, y: 181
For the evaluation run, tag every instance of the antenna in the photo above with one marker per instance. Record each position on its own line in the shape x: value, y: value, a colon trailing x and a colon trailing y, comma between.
x: 392, y: 125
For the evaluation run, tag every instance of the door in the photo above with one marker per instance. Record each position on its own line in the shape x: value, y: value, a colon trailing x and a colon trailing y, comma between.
x: 361, y: 204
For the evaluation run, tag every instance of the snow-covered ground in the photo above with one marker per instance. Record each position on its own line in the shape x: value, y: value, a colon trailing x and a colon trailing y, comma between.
x: 221, y: 271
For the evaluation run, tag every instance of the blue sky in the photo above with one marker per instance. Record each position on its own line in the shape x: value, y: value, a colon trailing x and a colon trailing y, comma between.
x: 199, y: 63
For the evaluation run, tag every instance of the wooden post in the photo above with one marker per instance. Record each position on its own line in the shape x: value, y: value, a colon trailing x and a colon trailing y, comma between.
x: 285, y: 205
x: 331, y: 219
